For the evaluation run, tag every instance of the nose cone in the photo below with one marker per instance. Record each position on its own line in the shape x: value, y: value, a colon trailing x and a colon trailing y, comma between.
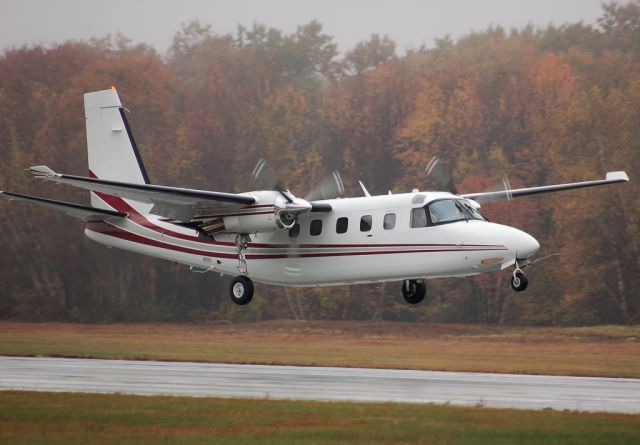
x: 525, y: 245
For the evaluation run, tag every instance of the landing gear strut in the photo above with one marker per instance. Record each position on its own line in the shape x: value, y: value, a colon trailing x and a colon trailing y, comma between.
x: 519, y: 280
x: 414, y: 291
x: 241, y: 290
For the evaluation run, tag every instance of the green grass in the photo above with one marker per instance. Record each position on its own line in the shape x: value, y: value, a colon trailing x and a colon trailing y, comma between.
x: 612, y: 351
x: 69, y: 418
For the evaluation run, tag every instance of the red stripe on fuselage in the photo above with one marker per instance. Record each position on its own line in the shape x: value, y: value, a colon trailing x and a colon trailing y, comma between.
x: 110, y: 230
x: 116, y: 232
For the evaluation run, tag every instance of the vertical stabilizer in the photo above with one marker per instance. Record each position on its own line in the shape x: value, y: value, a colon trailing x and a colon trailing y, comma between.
x: 113, y: 153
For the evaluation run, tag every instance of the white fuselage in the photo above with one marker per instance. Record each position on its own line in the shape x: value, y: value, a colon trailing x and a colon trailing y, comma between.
x: 461, y: 248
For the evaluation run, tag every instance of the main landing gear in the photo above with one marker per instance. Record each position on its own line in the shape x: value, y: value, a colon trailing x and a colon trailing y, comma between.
x: 519, y: 280
x: 414, y: 291
x: 241, y: 290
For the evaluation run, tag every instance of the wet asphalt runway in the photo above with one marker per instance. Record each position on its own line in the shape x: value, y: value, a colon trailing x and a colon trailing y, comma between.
x: 320, y: 383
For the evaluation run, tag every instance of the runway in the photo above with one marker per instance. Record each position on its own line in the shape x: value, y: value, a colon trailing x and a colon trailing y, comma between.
x: 320, y: 383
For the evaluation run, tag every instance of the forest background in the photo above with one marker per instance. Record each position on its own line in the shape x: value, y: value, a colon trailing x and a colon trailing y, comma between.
x: 538, y: 106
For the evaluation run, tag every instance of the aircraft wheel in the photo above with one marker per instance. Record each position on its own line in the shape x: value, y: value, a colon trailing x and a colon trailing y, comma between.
x: 241, y: 290
x: 519, y: 281
x: 414, y: 291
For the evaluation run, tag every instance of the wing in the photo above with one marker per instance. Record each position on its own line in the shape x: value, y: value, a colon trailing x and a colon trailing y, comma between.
x: 76, y: 210
x: 611, y: 178
x: 173, y: 202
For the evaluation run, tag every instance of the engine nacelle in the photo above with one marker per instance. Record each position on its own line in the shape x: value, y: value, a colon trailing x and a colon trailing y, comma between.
x: 282, y: 216
x: 251, y: 223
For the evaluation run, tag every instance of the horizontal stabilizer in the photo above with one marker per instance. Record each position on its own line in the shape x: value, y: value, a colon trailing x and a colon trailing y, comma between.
x: 610, y: 178
x: 76, y: 210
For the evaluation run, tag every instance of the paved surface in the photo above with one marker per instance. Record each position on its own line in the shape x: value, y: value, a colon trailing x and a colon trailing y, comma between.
x: 316, y: 383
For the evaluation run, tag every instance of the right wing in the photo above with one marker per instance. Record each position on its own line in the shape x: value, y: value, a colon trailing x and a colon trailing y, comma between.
x: 611, y: 178
x: 173, y: 202
x: 84, y: 213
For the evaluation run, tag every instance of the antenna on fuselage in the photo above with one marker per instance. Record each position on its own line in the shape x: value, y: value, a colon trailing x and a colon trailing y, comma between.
x: 364, y: 189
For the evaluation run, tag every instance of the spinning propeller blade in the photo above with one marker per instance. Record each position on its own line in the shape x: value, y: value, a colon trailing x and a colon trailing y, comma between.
x: 502, y: 189
x: 264, y: 178
x: 330, y: 187
x: 438, y: 174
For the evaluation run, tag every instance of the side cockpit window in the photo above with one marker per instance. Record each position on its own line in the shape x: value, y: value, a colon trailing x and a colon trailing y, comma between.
x: 418, y: 217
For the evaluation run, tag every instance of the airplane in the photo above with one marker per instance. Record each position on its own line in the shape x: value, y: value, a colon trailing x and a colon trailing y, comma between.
x: 272, y: 236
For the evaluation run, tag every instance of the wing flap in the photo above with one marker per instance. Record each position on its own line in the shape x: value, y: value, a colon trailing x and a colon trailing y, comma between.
x: 84, y: 213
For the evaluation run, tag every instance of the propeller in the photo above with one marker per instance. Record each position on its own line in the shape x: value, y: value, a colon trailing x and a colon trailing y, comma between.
x: 330, y: 187
x: 501, y: 185
x: 264, y: 178
x: 287, y: 212
x: 438, y: 174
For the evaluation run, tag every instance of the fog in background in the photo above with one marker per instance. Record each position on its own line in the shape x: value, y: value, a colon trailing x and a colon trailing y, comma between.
x: 410, y: 23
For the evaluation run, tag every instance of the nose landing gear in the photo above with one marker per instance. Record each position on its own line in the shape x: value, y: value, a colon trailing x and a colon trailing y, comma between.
x: 519, y: 281
x: 414, y: 291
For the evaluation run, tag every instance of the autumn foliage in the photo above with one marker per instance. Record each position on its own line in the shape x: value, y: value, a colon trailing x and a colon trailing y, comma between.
x: 535, y: 105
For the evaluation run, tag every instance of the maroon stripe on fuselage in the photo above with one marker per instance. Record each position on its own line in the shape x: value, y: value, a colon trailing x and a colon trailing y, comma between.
x: 370, y: 252
x: 116, y: 232
x: 109, y: 230
x: 119, y: 203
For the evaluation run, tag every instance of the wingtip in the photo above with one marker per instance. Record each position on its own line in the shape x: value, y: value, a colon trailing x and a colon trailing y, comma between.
x: 617, y: 176
x: 42, y: 171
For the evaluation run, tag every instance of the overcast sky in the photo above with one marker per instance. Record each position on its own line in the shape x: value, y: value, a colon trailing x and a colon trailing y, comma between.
x: 410, y: 23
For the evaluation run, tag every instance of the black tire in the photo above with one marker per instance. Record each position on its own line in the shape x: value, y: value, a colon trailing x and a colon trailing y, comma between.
x: 519, y: 282
x: 241, y: 290
x: 414, y: 291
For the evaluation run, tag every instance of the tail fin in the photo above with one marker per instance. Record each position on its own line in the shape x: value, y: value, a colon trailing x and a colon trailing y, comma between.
x: 113, y: 153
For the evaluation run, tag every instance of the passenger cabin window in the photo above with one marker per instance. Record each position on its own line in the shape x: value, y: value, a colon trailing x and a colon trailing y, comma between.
x: 389, y: 221
x: 418, y: 217
x: 365, y: 223
x: 342, y: 224
x: 316, y: 227
x: 294, y: 231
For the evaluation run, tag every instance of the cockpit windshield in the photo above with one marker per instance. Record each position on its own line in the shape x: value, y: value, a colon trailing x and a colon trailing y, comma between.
x: 471, y: 211
x: 450, y: 210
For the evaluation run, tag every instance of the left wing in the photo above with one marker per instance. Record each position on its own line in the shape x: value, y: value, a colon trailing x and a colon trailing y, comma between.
x: 611, y: 178
x: 179, y: 203
x: 84, y: 213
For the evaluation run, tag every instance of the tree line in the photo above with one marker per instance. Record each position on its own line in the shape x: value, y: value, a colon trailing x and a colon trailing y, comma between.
x: 534, y: 105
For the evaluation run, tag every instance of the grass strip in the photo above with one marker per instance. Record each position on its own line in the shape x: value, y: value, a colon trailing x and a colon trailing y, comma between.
x: 72, y: 418
x: 611, y: 351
